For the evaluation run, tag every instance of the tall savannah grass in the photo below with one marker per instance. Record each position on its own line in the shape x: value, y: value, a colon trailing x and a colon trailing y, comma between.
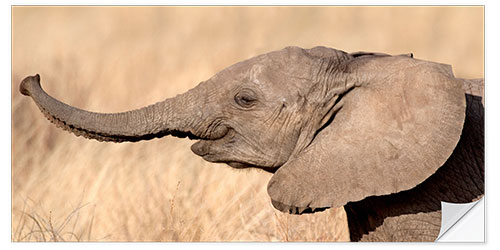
x: 66, y: 188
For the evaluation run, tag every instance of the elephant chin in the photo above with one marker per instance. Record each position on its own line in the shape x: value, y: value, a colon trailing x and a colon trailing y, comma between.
x: 235, y: 164
x: 240, y: 165
x: 202, y: 149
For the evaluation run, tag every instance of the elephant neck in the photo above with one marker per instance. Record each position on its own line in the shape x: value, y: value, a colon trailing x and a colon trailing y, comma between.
x: 459, y: 180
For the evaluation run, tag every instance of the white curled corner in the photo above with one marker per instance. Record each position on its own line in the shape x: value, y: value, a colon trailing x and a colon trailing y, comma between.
x: 462, y: 222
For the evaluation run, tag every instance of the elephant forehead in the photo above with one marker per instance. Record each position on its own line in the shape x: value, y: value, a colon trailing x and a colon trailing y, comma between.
x: 241, y: 70
x: 276, y: 66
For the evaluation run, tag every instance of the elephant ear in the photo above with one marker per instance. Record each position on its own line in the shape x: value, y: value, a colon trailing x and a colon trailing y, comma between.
x: 394, y: 129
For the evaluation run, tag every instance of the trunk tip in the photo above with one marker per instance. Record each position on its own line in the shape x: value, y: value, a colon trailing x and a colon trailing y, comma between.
x: 28, y: 83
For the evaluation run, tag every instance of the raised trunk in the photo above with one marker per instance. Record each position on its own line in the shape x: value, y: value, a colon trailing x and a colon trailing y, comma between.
x: 172, y: 116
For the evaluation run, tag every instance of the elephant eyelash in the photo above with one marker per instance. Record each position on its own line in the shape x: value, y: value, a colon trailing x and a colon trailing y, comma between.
x: 245, y: 99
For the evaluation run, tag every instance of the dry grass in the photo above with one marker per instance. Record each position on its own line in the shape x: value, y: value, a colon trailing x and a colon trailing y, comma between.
x: 115, y: 59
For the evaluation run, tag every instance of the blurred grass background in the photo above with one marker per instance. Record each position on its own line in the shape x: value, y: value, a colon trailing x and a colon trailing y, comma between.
x: 110, y: 59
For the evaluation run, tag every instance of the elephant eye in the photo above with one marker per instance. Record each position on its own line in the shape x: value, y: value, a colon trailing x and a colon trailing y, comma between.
x: 246, y: 98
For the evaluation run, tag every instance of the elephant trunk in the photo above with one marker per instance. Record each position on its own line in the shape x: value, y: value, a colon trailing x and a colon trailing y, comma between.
x: 174, y: 116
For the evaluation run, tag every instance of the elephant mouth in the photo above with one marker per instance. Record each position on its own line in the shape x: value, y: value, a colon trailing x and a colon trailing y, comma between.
x: 212, y: 134
x: 184, y: 134
x: 203, y: 146
x: 210, y: 150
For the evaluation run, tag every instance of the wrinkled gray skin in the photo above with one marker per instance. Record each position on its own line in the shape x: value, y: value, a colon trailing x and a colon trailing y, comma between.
x: 387, y: 137
x: 415, y: 214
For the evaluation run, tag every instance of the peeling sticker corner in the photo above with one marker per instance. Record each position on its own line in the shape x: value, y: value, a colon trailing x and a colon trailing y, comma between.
x: 462, y: 222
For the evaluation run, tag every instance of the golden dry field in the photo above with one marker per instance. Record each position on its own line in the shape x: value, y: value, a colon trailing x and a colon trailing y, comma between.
x: 110, y: 59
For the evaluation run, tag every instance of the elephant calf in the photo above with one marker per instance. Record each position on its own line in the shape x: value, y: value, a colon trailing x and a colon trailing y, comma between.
x: 387, y: 137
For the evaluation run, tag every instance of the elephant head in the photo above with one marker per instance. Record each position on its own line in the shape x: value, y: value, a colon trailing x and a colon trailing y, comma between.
x: 333, y: 127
